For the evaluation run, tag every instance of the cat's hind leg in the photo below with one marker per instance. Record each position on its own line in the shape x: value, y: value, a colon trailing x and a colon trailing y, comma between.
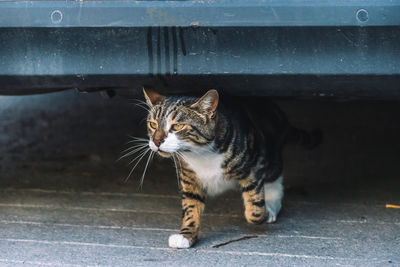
x: 273, y: 194
x: 253, y: 199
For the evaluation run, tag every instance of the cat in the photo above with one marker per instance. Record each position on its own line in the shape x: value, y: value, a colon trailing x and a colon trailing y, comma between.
x: 220, y: 146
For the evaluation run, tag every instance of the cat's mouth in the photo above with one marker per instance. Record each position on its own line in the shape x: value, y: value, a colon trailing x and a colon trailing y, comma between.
x: 164, y: 154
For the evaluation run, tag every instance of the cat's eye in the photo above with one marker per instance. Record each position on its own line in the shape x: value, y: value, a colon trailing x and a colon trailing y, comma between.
x: 177, y: 126
x: 153, y: 124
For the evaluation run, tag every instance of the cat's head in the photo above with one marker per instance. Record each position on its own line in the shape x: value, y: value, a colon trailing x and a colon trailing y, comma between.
x: 177, y: 124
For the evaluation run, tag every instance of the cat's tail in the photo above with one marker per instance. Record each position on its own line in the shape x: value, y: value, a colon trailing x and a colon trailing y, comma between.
x: 306, y: 139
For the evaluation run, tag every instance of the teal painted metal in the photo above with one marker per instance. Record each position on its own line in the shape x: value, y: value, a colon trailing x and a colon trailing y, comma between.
x: 200, y: 51
x: 212, y: 13
x: 282, y: 48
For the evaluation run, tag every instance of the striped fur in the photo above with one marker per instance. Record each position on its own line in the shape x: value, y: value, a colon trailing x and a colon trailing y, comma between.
x: 220, y: 146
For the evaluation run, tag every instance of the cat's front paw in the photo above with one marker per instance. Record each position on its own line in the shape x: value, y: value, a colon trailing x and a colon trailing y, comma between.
x: 178, y: 241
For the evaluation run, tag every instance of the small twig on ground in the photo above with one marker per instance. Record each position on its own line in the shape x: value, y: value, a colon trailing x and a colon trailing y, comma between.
x: 235, y: 240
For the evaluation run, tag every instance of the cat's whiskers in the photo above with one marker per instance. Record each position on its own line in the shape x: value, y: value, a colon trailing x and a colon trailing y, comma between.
x: 136, y: 149
x: 176, y: 168
x: 138, y: 161
x: 136, y: 142
x: 137, y: 138
x: 179, y: 163
x: 141, y: 147
x: 140, y: 154
x: 143, y: 105
x: 211, y: 147
x: 141, y: 102
x: 135, y: 145
x: 145, y: 168
x: 182, y: 156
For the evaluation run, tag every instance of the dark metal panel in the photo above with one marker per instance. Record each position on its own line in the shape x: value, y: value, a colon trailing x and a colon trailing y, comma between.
x: 221, y: 13
x: 200, y: 51
x: 298, y: 86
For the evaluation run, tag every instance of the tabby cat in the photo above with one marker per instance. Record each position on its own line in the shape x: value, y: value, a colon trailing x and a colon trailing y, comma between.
x: 220, y: 146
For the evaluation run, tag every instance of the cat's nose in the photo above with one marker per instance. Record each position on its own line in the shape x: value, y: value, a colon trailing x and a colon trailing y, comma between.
x: 159, y: 137
x: 158, y: 141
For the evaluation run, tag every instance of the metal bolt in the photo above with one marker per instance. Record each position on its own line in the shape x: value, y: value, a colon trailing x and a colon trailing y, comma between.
x: 362, y: 15
x: 56, y: 16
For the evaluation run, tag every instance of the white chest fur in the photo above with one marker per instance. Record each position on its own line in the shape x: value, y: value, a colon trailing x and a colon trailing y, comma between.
x: 207, y: 166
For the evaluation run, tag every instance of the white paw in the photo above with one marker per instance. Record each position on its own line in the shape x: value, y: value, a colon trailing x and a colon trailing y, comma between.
x: 178, y: 241
x: 273, y: 198
x: 271, y: 215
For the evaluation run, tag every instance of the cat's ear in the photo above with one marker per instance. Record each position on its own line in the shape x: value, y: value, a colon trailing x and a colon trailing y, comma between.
x: 152, y: 97
x: 208, y: 103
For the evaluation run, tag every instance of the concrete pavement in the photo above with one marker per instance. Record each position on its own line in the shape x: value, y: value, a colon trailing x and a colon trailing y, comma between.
x: 63, y: 201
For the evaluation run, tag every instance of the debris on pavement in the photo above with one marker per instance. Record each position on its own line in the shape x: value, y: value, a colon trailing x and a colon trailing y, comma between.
x: 235, y: 240
x: 391, y: 206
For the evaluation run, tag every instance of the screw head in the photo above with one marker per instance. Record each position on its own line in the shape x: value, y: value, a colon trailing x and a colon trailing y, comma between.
x: 362, y: 15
